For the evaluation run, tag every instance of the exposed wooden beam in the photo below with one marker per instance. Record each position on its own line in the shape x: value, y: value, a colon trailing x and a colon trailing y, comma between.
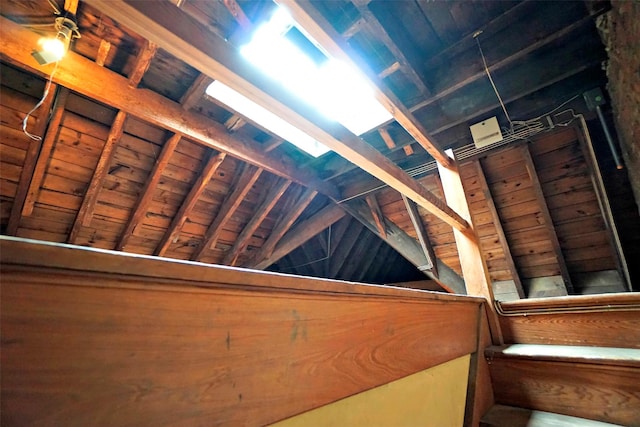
x: 503, y: 63
x: 113, y: 89
x: 323, y: 33
x: 143, y: 60
x: 546, y: 216
x: 391, y: 144
x: 389, y: 70
x: 373, y: 253
x: 103, y: 52
x: 45, y: 151
x: 234, y: 123
x: 184, y: 37
x: 71, y: 6
x: 282, y: 226
x: 474, y: 266
x: 85, y: 213
x: 236, y: 11
x: 354, y: 29
x: 146, y: 196
x: 30, y: 161
x: 406, y: 246
x: 272, y: 144
x: 196, y: 91
x: 378, y: 218
x: 378, y: 31
x: 343, y: 252
x: 173, y: 232
x: 239, y: 190
x: 497, y: 223
x: 302, y: 232
x: 423, y: 237
x: 270, y: 200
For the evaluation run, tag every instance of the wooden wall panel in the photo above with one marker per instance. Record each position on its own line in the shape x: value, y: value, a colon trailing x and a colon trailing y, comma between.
x: 137, y: 340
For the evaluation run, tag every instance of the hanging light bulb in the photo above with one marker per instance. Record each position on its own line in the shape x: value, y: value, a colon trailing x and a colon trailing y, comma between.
x: 53, y: 49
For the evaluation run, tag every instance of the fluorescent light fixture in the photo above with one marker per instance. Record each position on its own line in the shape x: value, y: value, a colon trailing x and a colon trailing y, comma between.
x: 334, y: 89
x: 265, y: 118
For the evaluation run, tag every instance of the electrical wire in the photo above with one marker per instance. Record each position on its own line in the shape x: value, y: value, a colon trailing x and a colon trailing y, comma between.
x: 44, y: 96
x: 486, y: 69
x: 55, y: 7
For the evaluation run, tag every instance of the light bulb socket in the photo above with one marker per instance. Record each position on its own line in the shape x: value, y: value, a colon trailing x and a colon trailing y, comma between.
x: 67, y: 30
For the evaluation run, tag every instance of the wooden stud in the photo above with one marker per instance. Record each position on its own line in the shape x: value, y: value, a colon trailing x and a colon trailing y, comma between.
x: 30, y: 161
x: 270, y: 200
x: 497, y: 223
x: 146, y: 196
x: 173, y: 232
x: 474, y: 266
x: 45, y: 151
x: 103, y: 52
x: 247, y: 177
x: 162, y: 22
x: 546, y: 215
x: 113, y: 89
x: 85, y: 213
x: 378, y: 217
x: 423, y: 237
x: 282, y: 226
x: 143, y: 60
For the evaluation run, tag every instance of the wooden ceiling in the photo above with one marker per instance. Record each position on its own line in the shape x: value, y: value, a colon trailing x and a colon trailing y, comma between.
x: 135, y: 157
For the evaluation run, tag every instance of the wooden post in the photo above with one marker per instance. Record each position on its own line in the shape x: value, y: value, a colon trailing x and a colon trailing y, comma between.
x: 474, y: 267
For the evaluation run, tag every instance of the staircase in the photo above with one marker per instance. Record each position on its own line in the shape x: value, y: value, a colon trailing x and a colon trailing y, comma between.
x: 542, y: 378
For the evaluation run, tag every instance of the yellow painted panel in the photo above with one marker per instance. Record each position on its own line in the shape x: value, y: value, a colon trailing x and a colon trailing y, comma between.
x: 434, y: 397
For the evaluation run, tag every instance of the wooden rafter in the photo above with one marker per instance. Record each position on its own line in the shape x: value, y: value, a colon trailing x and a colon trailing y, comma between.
x: 474, y: 266
x: 174, y: 31
x: 302, y: 232
x: 30, y: 162
x: 290, y: 216
x: 112, y: 89
x: 546, y: 216
x: 246, y: 178
x: 376, y: 212
x: 103, y: 52
x: 195, y: 92
x: 423, y: 237
x: 146, y: 196
x: 236, y: 11
x: 497, y: 223
x: 323, y: 33
x: 407, y: 246
x: 45, y: 152
x: 378, y: 31
x: 391, y: 144
x: 143, y: 60
x: 87, y: 208
x: 270, y: 200
x: 173, y: 232
x: 343, y: 252
x: 373, y: 254
x: 85, y: 213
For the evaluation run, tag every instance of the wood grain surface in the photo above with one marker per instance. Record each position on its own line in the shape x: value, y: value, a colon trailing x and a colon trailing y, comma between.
x: 100, y: 348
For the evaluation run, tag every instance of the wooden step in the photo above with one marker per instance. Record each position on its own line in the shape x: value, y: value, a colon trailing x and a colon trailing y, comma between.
x: 595, y: 383
x: 509, y: 416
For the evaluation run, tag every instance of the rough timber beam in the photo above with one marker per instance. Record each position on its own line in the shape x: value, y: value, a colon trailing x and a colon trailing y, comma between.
x: 112, y: 89
x: 325, y: 35
x: 182, y: 36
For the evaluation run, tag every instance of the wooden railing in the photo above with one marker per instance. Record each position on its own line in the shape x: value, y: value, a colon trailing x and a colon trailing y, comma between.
x: 92, y: 337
